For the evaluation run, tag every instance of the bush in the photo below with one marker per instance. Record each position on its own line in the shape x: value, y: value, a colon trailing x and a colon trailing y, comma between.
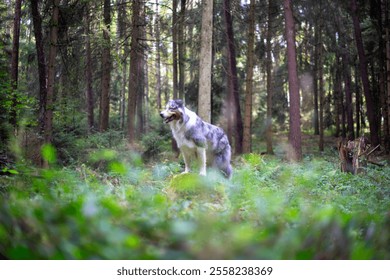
x: 128, y: 210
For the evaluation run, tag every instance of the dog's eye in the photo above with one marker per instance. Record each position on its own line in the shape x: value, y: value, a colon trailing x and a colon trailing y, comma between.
x: 172, y: 108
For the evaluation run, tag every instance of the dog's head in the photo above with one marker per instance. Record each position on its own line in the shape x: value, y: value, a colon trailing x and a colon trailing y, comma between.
x: 173, y: 111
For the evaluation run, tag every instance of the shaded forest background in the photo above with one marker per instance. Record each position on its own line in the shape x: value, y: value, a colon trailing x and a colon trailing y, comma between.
x: 70, y: 69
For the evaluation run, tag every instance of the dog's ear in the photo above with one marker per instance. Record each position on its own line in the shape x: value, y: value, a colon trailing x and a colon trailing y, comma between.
x: 179, y: 102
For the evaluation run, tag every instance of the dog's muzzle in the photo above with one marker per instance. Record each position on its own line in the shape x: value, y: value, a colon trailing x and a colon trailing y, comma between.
x: 167, y: 118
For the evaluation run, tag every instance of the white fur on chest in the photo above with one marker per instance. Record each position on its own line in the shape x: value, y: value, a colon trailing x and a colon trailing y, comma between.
x: 179, y: 130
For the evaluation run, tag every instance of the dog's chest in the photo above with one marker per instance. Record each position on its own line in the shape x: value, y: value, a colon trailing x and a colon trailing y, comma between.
x: 181, y: 140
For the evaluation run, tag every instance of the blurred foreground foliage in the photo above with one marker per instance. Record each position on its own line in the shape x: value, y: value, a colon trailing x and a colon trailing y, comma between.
x: 116, y: 206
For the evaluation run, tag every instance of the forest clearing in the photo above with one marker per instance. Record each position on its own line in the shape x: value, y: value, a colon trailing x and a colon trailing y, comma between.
x: 89, y: 169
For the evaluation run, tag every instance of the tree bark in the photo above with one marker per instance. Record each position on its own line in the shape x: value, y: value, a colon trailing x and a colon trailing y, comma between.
x: 135, y: 64
x: 357, y: 100
x: 373, y: 122
x: 42, y: 73
x: 88, y: 74
x: 315, y: 79
x: 48, y: 135
x: 270, y: 84
x: 249, y: 80
x: 158, y: 56
x: 15, y: 60
x: 387, y: 24
x: 320, y: 86
x: 233, y: 91
x: 348, y: 94
x: 205, y: 63
x: 106, y: 69
x: 174, y: 49
x: 182, y: 49
x: 295, y: 121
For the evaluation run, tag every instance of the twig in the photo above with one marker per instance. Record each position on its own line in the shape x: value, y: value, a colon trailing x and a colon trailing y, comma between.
x: 373, y: 150
x: 376, y: 163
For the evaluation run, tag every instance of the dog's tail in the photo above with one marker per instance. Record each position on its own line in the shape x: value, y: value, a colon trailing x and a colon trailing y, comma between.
x: 222, y: 162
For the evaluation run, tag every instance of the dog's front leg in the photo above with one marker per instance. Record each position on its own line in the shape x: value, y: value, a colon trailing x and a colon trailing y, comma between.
x: 186, y: 157
x: 202, y: 159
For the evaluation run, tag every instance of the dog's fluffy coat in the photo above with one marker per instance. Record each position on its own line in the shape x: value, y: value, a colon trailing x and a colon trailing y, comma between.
x: 197, y: 137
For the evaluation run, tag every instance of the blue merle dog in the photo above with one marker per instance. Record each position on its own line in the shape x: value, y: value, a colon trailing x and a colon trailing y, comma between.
x: 196, y: 137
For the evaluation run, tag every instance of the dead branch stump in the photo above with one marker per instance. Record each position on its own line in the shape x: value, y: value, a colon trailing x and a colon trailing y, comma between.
x: 354, y: 154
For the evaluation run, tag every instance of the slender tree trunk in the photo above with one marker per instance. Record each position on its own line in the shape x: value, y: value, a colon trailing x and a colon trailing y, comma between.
x: 295, y: 118
x: 174, y: 49
x: 205, y: 63
x: 134, y: 78
x: 42, y: 73
x: 249, y: 80
x: 51, y: 71
x: 315, y: 78
x: 321, y: 88
x: 123, y: 92
x: 158, y: 56
x: 106, y: 69
x: 357, y: 100
x: 348, y: 95
x: 122, y: 54
x: 88, y: 73
x: 233, y: 90
x: 337, y: 102
x: 15, y: 60
x: 141, y: 87
x: 270, y: 84
x: 370, y: 102
x: 182, y: 49
x: 387, y: 32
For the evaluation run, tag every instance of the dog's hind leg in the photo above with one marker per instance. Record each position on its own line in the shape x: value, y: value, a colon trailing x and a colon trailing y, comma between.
x: 202, y: 159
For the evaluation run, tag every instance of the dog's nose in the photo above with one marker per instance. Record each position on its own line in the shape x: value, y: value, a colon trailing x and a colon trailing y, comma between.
x: 161, y: 115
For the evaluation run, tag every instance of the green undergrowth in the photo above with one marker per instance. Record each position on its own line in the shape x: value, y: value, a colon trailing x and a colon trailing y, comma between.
x: 115, y: 206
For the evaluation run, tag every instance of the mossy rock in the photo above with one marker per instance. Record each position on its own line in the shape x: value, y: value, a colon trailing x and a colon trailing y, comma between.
x: 195, y: 185
x: 189, y: 183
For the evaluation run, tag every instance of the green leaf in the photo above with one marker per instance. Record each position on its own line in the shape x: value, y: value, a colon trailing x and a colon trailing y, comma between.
x: 49, y: 153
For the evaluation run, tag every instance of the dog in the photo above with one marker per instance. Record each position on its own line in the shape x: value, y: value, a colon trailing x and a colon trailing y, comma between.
x: 196, y: 137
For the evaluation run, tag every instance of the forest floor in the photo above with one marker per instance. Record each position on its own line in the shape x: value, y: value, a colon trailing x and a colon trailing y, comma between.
x: 114, y: 205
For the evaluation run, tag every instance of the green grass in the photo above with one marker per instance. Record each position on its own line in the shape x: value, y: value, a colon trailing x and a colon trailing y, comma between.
x: 115, y: 206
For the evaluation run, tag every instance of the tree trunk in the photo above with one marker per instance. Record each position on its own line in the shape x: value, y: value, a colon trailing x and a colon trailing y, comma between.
x: 357, y: 100
x: 174, y: 49
x: 158, y: 56
x: 88, y: 74
x: 106, y: 69
x: 205, y: 63
x: 387, y: 24
x: 337, y: 97
x: 348, y: 94
x: 15, y: 60
x: 233, y: 90
x: 135, y: 64
x: 295, y: 119
x: 270, y: 83
x: 249, y: 80
x: 122, y: 54
x: 315, y: 79
x: 320, y: 88
x: 182, y: 49
x: 42, y: 73
x: 370, y: 102
x: 51, y: 73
